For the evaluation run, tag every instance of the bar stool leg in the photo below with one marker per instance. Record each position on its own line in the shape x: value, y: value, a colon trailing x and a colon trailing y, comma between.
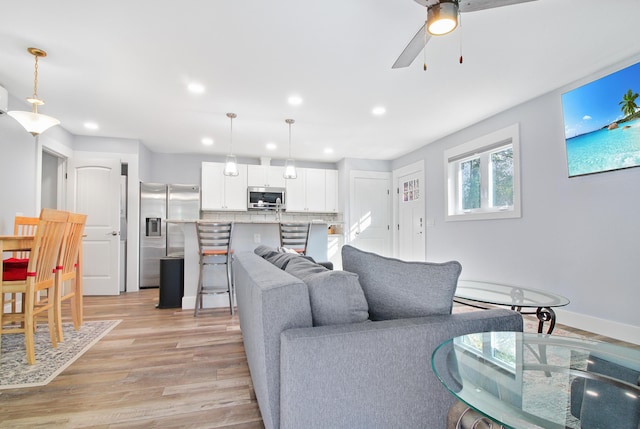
x: 199, y: 291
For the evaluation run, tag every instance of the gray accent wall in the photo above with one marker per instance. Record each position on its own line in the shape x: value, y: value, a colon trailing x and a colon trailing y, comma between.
x: 578, y: 237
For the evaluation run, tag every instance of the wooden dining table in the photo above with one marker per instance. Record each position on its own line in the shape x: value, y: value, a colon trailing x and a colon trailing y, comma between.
x: 17, y: 243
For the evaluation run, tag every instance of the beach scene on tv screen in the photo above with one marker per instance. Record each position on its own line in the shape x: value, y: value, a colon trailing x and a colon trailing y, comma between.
x: 602, y: 123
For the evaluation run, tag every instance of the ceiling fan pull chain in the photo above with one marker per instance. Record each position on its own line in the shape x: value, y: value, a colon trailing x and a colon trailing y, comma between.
x: 460, y: 29
x: 424, y: 50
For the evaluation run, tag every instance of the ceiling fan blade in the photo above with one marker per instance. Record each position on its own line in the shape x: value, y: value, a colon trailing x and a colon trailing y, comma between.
x: 475, y: 5
x: 413, y: 49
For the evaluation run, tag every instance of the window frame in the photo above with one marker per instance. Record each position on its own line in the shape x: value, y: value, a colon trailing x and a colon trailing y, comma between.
x: 482, y: 148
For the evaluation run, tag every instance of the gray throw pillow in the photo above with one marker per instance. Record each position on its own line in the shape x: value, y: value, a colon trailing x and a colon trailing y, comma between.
x: 280, y: 260
x: 303, y: 268
x: 336, y: 298
x: 397, y: 289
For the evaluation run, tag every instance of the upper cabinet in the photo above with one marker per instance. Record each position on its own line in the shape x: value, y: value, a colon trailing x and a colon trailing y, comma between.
x: 331, y: 197
x: 314, y: 191
x: 220, y: 192
x: 267, y: 176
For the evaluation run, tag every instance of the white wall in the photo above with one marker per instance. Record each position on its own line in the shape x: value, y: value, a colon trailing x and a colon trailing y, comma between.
x: 17, y: 172
x: 578, y: 237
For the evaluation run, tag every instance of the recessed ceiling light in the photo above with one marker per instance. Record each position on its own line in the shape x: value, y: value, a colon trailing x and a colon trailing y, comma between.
x: 328, y: 150
x: 379, y: 111
x: 272, y: 146
x: 207, y: 141
x: 195, y: 88
x: 91, y: 125
x: 295, y: 100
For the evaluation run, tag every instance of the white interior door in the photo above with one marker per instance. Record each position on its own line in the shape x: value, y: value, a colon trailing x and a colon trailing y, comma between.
x: 411, y: 211
x: 369, y: 220
x: 95, y: 190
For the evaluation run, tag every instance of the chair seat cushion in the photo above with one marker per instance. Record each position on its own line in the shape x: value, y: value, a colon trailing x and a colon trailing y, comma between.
x: 11, y: 263
x: 209, y: 252
x: 14, y: 274
x: 398, y: 289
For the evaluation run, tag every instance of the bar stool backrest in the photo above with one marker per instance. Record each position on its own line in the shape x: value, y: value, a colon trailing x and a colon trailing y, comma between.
x: 214, y: 238
x: 295, y: 236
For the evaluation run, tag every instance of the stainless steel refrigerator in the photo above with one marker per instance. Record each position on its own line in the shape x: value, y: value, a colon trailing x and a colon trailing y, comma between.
x: 159, y: 239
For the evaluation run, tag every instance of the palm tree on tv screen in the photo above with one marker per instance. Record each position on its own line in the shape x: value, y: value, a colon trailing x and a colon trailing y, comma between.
x: 628, y: 104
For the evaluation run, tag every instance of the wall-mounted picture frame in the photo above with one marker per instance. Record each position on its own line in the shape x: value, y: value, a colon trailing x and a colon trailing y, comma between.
x: 602, y: 123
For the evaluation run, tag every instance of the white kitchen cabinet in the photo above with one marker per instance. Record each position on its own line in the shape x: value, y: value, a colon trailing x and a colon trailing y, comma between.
x: 331, y: 194
x: 220, y: 192
x: 316, y: 190
x: 270, y: 176
x: 295, y: 196
x: 309, y: 192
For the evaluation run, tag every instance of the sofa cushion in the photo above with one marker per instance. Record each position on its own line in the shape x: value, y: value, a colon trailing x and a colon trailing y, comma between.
x: 302, y: 267
x: 279, y: 259
x: 397, y: 289
x: 336, y: 298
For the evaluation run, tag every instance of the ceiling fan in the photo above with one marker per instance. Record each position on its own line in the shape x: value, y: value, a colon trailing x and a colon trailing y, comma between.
x: 442, y: 18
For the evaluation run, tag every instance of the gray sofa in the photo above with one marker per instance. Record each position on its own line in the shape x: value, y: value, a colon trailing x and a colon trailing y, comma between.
x: 319, y: 355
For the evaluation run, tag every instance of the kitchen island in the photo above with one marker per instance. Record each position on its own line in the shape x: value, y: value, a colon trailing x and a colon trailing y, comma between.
x: 246, y: 237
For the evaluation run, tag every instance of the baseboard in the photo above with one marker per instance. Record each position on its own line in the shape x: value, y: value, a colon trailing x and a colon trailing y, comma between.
x: 619, y: 331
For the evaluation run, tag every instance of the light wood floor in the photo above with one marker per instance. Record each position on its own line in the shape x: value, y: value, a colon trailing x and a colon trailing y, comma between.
x: 156, y: 369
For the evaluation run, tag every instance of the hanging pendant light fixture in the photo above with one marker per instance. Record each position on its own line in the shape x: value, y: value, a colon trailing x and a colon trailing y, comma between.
x: 290, y: 164
x: 34, y: 122
x: 231, y: 164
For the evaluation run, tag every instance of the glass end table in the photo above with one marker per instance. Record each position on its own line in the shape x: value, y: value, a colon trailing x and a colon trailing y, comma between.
x: 521, y: 380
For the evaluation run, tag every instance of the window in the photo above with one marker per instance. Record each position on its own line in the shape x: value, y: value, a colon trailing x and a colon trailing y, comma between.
x: 483, y: 177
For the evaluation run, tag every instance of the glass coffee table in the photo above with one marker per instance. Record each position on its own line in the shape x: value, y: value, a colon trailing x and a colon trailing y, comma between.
x: 578, y: 384
x: 471, y: 292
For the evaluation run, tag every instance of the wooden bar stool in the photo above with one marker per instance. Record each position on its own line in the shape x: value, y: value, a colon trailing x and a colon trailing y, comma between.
x: 214, y: 242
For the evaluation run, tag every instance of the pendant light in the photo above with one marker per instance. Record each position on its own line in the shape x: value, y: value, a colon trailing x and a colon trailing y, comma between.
x: 290, y: 165
x: 231, y: 164
x: 34, y: 122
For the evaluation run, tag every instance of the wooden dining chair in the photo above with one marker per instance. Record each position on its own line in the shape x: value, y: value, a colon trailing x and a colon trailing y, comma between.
x: 37, y: 279
x: 67, y: 277
x: 22, y: 225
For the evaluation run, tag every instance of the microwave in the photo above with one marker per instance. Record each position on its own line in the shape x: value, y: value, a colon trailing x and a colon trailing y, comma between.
x: 265, y: 198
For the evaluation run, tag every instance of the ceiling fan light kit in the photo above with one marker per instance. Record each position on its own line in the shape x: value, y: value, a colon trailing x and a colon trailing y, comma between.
x: 442, y: 18
x: 34, y: 122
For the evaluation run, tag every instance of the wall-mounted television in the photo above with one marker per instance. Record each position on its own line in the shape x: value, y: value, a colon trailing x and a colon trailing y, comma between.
x: 602, y: 123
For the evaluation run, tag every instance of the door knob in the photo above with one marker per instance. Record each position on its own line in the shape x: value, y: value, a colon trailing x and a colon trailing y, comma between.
x: 114, y: 233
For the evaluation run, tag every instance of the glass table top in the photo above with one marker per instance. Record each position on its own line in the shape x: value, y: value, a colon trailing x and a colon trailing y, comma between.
x: 525, y: 380
x: 499, y: 294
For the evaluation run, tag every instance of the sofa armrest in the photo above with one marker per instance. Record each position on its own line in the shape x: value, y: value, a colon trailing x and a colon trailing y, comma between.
x: 373, y: 374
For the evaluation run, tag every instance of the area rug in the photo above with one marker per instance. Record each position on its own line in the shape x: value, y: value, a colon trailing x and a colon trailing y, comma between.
x: 15, y: 372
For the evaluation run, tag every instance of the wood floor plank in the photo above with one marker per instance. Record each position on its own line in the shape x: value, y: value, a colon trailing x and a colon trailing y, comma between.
x: 157, y: 368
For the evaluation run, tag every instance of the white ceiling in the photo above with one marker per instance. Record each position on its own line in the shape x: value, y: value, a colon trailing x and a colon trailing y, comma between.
x: 126, y: 64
